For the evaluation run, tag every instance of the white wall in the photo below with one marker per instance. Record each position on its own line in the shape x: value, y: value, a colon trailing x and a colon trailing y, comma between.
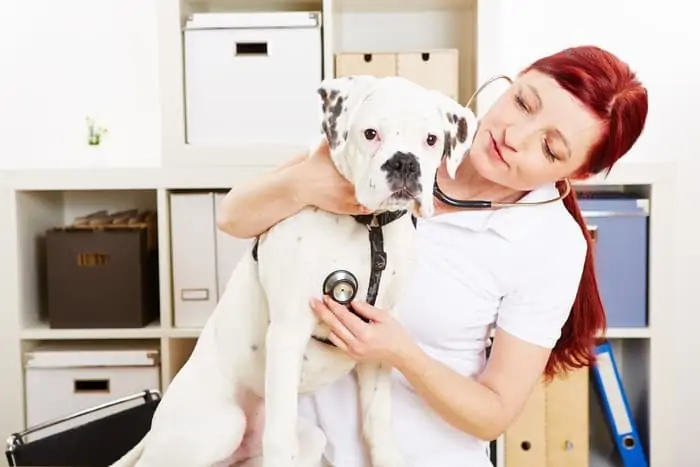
x: 65, y: 60
x: 661, y: 41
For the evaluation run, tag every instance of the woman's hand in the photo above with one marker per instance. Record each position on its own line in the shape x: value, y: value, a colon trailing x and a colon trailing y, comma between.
x: 325, y: 187
x: 382, y: 339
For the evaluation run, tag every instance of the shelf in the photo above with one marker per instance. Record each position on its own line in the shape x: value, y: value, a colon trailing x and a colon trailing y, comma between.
x: 39, y: 211
x: 184, y: 333
x: 225, y: 176
x: 394, y: 6
x: 42, y: 331
x: 129, y: 178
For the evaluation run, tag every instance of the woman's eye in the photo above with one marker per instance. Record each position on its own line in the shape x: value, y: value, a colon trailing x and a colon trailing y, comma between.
x: 520, y: 102
x: 431, y: 140
x: 548, y: 152
x: 370, y: 134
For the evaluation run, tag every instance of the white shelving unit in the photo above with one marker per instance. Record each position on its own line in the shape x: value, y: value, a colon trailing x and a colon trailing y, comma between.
x: 34, y: 200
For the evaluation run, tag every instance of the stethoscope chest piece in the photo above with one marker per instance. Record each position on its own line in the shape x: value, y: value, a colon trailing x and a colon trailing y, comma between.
x: 341, y: 286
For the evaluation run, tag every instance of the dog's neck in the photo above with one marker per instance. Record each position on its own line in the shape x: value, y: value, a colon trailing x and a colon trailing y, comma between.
x: 343, y: 167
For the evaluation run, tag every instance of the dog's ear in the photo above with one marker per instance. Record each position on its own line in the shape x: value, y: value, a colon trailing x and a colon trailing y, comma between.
x: 460, y: 127
x: 340, y: 97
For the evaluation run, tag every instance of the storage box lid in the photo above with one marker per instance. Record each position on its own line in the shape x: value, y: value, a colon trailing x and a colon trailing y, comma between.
x: 291, y: 19
x: 76, y: 354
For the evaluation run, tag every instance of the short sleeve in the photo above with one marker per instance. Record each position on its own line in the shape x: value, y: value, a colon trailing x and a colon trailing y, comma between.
x: 545, y: 289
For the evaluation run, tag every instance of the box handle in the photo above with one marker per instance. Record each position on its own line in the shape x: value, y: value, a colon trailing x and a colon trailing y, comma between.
x: 251, y: 48
x: 90, y: 385
x: 194, y: 295
x: 593, y: 232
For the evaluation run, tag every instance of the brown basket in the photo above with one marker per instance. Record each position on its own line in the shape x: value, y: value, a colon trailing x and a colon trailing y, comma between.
x: 102, y: 271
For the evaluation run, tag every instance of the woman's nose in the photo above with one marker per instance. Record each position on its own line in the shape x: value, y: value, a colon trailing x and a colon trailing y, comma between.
x: 516, y: 136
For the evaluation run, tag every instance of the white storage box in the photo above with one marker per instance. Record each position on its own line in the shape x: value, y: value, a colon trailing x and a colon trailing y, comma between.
x: 63, y: 378
x: 252, y: 78
x: 203, y: 257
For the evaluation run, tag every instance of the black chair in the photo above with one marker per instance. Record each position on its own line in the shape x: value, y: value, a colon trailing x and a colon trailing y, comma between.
x: 96, y: 443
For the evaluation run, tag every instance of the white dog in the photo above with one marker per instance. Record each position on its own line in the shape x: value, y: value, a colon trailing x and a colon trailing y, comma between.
x: 236, y: 397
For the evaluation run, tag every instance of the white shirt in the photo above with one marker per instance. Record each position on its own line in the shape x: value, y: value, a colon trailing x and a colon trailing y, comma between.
x: 516, y: 268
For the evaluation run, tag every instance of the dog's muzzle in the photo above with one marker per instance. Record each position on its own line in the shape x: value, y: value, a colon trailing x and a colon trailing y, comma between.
x: 403, y: 174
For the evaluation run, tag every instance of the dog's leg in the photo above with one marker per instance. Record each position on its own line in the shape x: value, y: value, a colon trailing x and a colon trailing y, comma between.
x: 205, y: 436
x: 312, y: 443
x: 377, y: 425
x: 286, y: 342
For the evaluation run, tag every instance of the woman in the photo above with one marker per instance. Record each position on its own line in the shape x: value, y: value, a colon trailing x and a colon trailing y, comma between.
x: 527, y: 271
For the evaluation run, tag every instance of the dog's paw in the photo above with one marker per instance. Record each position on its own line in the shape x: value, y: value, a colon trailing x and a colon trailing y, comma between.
x: 385, y: 456
x: 280, y: 458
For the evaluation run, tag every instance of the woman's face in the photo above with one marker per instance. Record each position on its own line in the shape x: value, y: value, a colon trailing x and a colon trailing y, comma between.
x: 534, y: 134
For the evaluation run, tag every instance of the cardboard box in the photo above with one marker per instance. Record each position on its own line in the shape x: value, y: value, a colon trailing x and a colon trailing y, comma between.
x: 102, y: 271
x: 436, y: 69
x: 375, y: 64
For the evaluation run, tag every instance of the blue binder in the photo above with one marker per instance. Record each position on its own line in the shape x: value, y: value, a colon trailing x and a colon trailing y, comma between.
x: 616, y: 408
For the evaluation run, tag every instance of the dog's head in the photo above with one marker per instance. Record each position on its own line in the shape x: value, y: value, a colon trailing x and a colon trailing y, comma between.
x: 388, y: 136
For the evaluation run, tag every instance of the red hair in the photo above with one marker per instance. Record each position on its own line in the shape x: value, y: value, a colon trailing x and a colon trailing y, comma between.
x: 610, y: 90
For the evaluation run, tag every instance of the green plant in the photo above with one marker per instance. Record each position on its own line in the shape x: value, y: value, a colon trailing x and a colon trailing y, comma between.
x: 95, y: 132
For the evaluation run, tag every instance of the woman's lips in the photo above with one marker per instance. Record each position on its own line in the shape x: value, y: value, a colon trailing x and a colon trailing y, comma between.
x: 496, y: 150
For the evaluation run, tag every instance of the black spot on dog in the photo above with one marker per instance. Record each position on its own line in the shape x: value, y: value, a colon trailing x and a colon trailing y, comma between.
x: 333, y: 105
x: 462, y: 129
x: 449, y: 144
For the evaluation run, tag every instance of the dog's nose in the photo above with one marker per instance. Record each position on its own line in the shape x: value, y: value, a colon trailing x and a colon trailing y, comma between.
x: 404, y: 164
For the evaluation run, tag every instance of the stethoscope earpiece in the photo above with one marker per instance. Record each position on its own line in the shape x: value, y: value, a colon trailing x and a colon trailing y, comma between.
x: 341, y: 286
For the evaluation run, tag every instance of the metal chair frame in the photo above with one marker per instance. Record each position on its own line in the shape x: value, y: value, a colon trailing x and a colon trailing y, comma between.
x: 16, y: 441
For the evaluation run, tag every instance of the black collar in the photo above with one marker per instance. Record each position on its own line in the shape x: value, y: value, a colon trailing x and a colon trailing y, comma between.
x: 379, y: 219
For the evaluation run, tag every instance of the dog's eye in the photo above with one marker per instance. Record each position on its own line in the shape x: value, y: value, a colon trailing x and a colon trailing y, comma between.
x: 431, y: 140
x: 370, y: 133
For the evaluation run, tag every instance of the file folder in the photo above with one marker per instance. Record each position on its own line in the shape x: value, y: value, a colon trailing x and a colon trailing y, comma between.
x: 567, y: 420
x: 552, y: 429
x: 616, y: 408
x: 193, y: 258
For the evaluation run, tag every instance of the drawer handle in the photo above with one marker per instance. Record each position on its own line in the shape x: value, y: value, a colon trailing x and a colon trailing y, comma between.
x: 367, y: 58
x: 593, y: 232
x: 194, y: 295
x: 425, y: 56
x: 251, y: 48
x: 90, y: 385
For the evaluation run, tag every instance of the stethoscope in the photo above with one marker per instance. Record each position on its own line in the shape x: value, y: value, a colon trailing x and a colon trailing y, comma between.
x: 341, y: 285
x: 483, y: 204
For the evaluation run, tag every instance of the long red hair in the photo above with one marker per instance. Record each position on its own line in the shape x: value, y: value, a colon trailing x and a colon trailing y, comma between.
x: 609, y: 89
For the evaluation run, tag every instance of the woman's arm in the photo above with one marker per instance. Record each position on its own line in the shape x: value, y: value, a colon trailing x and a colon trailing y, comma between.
x: 251, y: 208
x: 487, y: 405
x: 483, y: 407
